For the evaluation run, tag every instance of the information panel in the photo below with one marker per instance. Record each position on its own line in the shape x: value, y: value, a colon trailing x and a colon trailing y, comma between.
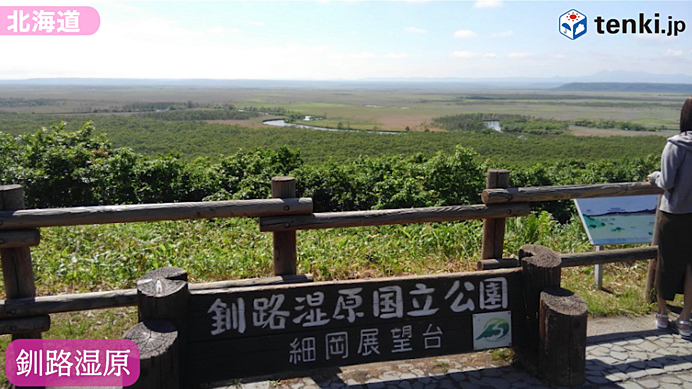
x: 618, y: 220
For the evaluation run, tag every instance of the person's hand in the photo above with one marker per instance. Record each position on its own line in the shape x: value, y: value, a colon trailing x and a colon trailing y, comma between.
x: 652, y: 178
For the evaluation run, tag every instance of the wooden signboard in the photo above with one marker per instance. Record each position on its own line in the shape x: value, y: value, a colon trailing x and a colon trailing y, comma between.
x: 243, y: 332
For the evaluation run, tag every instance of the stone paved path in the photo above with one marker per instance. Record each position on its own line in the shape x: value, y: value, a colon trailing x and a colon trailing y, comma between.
x: 621, y: 353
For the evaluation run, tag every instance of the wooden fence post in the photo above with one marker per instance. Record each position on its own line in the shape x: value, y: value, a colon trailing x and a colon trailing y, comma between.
x: 540, y: 270
x: 562, y: 345
x: 284, y: 242
x: 494, y: 229
x: 17, y: 270
x: 162, y: 297
x: 650, y: 288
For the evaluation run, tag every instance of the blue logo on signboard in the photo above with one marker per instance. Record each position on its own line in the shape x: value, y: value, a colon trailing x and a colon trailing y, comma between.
x: 572, y: 24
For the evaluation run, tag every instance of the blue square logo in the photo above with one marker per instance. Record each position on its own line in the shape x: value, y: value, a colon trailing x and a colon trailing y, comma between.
x: 572, y: 24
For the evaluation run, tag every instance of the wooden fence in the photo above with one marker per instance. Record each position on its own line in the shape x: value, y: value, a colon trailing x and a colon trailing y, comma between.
x: 24, y: 315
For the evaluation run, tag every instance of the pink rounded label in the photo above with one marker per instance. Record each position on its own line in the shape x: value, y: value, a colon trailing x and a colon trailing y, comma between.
x: 49, y: 20
x: 72, y: 362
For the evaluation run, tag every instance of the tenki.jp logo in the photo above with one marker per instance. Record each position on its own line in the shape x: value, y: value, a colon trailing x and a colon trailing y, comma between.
x: 572, y: 24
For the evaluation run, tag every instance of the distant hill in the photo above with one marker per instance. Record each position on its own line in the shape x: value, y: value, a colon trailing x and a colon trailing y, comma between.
x: 625, y: 87
x: 606, y: 77
x: 642, y: 212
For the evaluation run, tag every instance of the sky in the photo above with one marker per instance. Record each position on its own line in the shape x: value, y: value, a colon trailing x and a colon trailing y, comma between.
x: 348, y: 40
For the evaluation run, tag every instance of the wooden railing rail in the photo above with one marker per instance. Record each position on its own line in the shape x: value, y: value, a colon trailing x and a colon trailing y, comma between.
x: 44, y: 305
x: 581, y: 259
x: 566, y: 192
x: 609, y: 256
x: 34, y: 218
x: 390, y: 216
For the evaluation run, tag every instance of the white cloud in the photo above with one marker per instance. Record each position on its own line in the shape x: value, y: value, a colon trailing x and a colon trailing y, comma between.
x: 490, y: 55
x: 503, y: 34
x: 463, y: 34
x: 673, y: 53
x: 157, y: 44
x: 463, y: 54
x: 517, y: 55
x: 396, y: 55
x: 487, y: 4
x: 558, y: 56
x: 415, y: 30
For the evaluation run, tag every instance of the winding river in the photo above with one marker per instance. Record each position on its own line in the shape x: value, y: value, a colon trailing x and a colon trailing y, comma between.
x: 495, y: 125
x: 282, y: 123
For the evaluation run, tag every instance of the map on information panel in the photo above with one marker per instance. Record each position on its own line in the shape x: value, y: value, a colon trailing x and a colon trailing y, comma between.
x: 618, y: 220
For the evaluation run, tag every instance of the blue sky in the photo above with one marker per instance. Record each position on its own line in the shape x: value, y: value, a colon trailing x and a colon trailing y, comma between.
x: 348, y: 40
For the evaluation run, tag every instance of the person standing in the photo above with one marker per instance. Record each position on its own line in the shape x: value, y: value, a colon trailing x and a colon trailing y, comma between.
x: 674, y: 269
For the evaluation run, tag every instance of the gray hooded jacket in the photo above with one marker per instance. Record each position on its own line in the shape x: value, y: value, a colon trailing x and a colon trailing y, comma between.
x: 676, y: 174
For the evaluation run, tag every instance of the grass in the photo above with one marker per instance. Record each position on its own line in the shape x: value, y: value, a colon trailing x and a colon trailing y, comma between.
x: 441, y: 366
x: 502, y: 354
x: 102, y: 257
